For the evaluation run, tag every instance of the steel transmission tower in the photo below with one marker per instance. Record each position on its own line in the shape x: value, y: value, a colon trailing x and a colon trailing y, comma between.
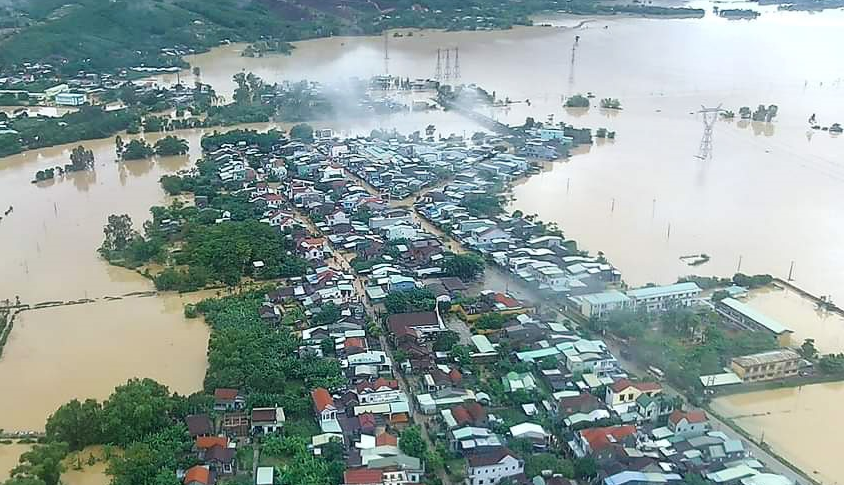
x: 386, y: 55
x: 439, y: 73
x: 447, y: 74
x: 456, y: 72
x: 710, y: 116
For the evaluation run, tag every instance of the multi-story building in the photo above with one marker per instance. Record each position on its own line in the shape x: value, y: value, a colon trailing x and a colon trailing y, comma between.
x: 766, y: 366
x: 657, y: 298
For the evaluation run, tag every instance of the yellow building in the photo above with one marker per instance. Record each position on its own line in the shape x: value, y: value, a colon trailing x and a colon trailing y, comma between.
x: 775, y: 364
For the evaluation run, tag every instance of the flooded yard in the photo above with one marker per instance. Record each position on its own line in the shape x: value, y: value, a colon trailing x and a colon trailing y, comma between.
x: 54, y: 355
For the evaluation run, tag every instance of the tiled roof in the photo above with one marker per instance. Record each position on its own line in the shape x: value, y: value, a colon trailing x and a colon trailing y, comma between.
x: 362, y: 476
x: 206, y: 442
x: 225, y: 394
x: 693, y: 416
x: 322, y: 399
x: 197, y: 474
x: 386, y: 439
x: 491, y: 458
x: 623, y: 384
x: 600, y: 438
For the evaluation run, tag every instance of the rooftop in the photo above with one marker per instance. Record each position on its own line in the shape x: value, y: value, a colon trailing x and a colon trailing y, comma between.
x: 657, y: 291
x: 755, y: 315
x: 770, y: 357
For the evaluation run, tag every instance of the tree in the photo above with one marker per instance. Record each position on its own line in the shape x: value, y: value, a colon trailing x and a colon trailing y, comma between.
x: 446, y: 340
x: 171, y: 145
x: 328, y: 313
x: 610, y: 103
x: 78, y: 424
x: 535, y: 464
x: 135, y: 410
x: 81, y: 159
x: 43, y: 462
x: 137, y: 150
x: 585, y: 468
x: 24, y: 481
x: 461, y: 354
x: 118, y: 233
x: 412, y: 443
x: 808, y: 350
x: 302, y: 131
x: 466, y: 266
x: 577, y: 101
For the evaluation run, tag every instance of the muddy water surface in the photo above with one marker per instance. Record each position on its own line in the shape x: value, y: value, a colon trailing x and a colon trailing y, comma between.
x: 81, y: 351
x: 796, y: 423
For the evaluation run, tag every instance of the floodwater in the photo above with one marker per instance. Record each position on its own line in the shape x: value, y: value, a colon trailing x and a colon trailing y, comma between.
x: 798, y: 423
x: 56, y: 354
x: 86, y: 475
x: 770, y: 192
x: 801, y: 315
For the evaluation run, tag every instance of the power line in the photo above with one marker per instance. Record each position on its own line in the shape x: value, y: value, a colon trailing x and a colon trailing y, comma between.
x: 710, y: 116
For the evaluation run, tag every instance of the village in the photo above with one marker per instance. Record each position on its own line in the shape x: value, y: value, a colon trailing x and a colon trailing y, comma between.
x: 449, y: 379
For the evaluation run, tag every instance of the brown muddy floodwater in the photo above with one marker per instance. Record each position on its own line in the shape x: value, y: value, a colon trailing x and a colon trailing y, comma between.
x: 801, y: 315
x: 798, y: 423
x: 770, y: 193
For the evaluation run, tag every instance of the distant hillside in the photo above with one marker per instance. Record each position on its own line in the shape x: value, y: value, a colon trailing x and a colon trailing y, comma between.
x: 106, y: 34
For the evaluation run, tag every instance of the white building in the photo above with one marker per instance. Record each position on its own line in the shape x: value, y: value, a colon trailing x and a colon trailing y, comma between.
x: 491, y: 468
x: 599, y: 304
x: 655, y: 298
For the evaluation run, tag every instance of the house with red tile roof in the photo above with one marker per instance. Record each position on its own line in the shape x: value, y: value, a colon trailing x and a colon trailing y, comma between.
x: 227, y: 399
x: 386, y: 439
x: 623, y: 393
x: 324, y: 404
x: 198, y: 475
x: 602, y: 443
x: 688, y: 424
x: 313, y: 248
x: 363, y: 476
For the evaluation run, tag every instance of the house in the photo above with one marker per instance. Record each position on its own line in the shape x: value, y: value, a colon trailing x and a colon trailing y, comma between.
x: 337, y: 217
x: 324, y: 404
x: 624, y: 392
x: 267, y: 420
x: 380, y: 391
x: 221, y: 459
x: 419, y: 324
x: 471, y: 413
x: 658, y: 298
x: 226, y: 399
x: 602, y: 443
x: 765, y: 366
x: 363, y: 476
x: 515, y: 381
x: 490, y: 468
x: 198, y: 425
x: 198, y: 475
x: 473, y: 439
x: 653, y: 408
x: 71, y: 99
x: 400, y: 283
x: 688, y: 424
x: 641, y: 478
x: 532, y: 432
x: 314, y: 249
x: 577, y: 411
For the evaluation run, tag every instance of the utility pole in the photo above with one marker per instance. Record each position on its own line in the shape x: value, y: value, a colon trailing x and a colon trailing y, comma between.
x: 738, y: 268
x: 791, y: 272
x: 710, y: 116
x: 456, y: 65
x: 438, y: 75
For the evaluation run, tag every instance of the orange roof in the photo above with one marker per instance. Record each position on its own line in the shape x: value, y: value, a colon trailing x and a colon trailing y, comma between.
x: 197, y: 474
x: 693, y: 416
x: 506, y: 300
x: 399, y: 418
x: 314, y: 241
x: 206, y: 442
x: 600, y: 438
x: 225, y: 394
x: 322, y: 399
x: 363, y: 476
x: 623, y: 384
x: 461, y: 415
x: 386, y: 439
x: 353, y: 342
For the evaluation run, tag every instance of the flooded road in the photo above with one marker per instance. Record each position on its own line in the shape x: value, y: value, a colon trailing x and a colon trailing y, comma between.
x: 790, y: 421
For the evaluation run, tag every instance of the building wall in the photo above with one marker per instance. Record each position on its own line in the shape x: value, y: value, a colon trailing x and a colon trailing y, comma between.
x: 766, y: 372
x: 492, y: 474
